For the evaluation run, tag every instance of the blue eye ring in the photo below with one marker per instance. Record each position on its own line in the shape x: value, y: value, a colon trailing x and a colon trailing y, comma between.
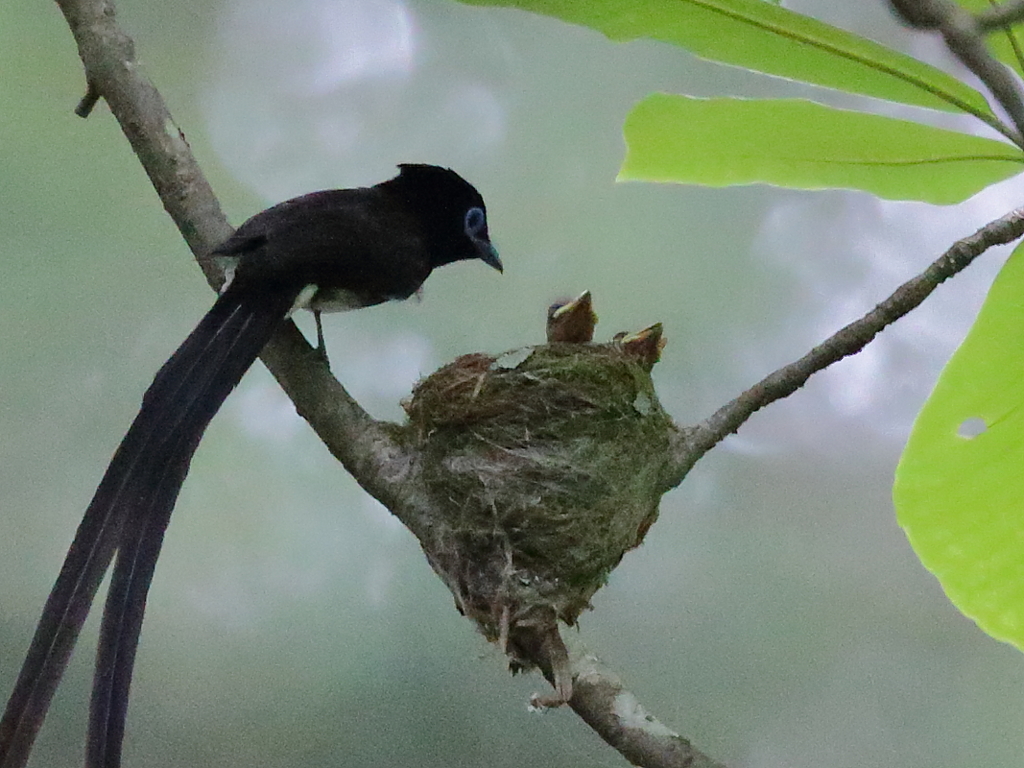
x: 475, y: 222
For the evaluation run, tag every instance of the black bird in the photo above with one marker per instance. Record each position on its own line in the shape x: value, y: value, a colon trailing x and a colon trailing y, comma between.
x: 326, y: 251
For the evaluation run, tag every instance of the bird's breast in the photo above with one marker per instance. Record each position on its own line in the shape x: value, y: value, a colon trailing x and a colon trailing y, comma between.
x: 321, y: 299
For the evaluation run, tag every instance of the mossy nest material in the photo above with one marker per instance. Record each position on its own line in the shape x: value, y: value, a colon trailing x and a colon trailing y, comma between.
x: 544, y: 466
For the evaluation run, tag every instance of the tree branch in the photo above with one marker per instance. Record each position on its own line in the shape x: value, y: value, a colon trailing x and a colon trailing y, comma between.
x: 1000, y: 16
x: 964, y: 36
x: 694, y: 442
x: 616, y: 715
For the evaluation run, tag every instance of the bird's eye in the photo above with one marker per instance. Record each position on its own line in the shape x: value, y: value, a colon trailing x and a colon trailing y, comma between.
x: 476, y: 222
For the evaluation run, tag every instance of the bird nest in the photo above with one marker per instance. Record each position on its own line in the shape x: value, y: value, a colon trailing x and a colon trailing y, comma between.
x: 544, y: 467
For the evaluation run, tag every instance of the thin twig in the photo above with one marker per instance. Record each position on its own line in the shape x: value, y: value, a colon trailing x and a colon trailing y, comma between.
x: 695, y: 441
x: 89, y: 101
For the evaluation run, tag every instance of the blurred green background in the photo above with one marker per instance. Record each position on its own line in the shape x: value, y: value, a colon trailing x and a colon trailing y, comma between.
x: 775, y: 616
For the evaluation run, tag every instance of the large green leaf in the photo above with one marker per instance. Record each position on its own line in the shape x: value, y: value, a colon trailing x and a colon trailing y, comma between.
x: 797, y: 143
x: 960, y: 497
x: 766, y: 38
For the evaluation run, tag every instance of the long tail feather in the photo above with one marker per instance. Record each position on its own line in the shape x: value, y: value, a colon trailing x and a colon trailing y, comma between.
x: 143, y: 533
x: 133, y: 502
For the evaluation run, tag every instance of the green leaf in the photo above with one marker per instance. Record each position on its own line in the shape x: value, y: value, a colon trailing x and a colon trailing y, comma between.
x: 766, y: 38
x: 797, y: 143
x: 960, y: 499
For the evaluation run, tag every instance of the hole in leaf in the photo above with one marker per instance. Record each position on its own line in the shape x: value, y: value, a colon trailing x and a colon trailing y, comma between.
x: 971, y: 428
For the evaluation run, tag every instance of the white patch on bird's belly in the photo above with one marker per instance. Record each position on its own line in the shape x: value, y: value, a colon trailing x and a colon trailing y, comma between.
x: 303, y: 299
x: 314, y: 298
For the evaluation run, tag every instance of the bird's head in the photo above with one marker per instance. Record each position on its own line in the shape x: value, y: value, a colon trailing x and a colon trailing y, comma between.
x: 454, y: 210
x: 572, y: 320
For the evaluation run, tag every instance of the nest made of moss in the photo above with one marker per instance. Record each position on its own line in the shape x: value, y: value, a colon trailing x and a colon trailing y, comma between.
x: 544, y: 466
